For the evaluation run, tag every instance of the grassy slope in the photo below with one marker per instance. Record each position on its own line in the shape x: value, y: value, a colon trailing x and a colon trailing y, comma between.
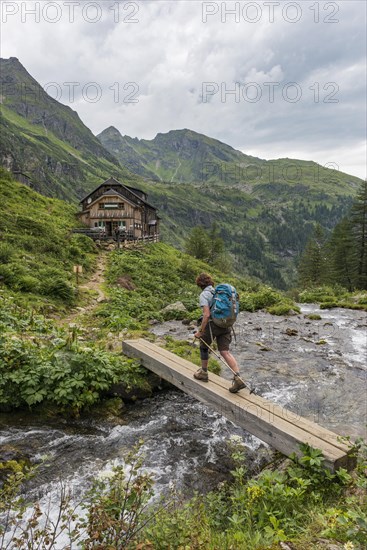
x: 169, y: 276
x: 37, y: 249
x: 265, y: 237
x: 42, y: 360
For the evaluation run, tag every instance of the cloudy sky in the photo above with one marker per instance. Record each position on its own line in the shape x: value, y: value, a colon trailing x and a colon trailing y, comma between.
x: 271, y: 78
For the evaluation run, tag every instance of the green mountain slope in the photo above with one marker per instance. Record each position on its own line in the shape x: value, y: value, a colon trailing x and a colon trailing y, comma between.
x: 265, y: 210
x: 178, y: 156
x: 48, y: 141
x: 184, y: 156
x: 37, y: 248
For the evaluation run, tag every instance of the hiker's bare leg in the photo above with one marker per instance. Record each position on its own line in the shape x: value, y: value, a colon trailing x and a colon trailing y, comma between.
x: 230, y: 360
x: 206, y: 338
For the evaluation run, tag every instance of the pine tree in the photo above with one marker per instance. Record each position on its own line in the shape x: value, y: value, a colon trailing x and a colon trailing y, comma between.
x: 216, y: 244
x: 208, y: 245
x: 197, y: 243
x: 342, y: 254
x: 359, y: 229
x: 313, y: 267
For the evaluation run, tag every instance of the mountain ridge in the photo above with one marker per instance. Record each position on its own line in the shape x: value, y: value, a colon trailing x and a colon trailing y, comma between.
x: 186, y: 156
x: 140, y: 155
x: 48, y: 140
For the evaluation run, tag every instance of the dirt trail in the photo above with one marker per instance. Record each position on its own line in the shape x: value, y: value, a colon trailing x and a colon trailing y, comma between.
x: 95, y: 285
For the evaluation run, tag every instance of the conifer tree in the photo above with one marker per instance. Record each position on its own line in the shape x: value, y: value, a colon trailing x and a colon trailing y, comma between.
x: 359, y: 229
x: 313, y: 269
x: 342, y: 255
x: 216, y: 244
x: 208, y: 245
x: 197, y: 243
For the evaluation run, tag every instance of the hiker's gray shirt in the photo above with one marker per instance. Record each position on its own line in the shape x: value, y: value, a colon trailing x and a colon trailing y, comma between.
x: 206, y: 297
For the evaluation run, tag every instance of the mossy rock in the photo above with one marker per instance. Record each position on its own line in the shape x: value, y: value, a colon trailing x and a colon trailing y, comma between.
x: 109, y: 409
x: 314, y: 317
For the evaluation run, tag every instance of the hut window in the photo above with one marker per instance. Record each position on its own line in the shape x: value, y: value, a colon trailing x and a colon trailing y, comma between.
x: 111, y: 206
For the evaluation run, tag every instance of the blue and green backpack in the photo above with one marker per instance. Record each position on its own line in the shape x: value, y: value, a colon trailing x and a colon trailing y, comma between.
x: 225, y: 306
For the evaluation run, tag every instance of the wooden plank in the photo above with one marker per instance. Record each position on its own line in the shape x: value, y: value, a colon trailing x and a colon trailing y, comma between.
x: 253, y: 413
x: 179, y: 377
x: 272, y: 408
x: 173, y: 379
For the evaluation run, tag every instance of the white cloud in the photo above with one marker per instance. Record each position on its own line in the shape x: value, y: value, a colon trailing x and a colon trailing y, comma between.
x: 169, y: 53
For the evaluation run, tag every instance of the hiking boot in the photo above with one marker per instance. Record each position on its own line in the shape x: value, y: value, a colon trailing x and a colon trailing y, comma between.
x: 201, y: 375
x: 237, y: 385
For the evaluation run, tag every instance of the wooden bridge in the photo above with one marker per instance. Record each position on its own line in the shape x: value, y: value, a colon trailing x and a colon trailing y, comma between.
x: 280, y: 428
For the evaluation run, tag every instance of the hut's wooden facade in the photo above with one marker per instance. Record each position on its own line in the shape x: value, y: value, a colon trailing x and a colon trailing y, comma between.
x: 114, y: 205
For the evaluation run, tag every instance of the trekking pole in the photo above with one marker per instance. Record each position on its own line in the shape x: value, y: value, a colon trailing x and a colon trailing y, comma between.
x: 252, y: 390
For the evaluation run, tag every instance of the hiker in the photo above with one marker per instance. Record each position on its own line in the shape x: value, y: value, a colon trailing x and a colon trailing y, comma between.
x: 209, y: 331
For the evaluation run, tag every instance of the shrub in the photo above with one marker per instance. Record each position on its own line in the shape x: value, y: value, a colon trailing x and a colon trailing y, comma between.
x: 322, y: 294
x: 314, y: 317
x: 328, y: 305
x: 188, y: 269
x: 58, y: 288
x: 282, y: 309
x: 173, y: 315
x: 362, y: 299
x: 27, y: 283
x: 83, y: 243
x: 62, y: 373
x: 6, y: 253
x: 11, y: 273
x: 265, y: 297
x: 31, y: 225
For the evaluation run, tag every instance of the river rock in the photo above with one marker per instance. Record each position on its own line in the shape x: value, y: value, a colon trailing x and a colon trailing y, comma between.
x: 291, y: 312
x: 10, y: 453
x: 291, y: 332
x: 153, y: 382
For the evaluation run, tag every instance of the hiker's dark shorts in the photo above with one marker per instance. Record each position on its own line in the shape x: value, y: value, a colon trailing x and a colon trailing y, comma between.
x: 223, y: 336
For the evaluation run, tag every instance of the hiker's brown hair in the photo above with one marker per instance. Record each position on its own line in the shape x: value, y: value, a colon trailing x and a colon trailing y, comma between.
x: 203, y: 280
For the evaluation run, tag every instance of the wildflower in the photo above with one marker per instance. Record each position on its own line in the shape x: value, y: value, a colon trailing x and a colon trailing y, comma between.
x: 349, y: 545
x: 255, y: 492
